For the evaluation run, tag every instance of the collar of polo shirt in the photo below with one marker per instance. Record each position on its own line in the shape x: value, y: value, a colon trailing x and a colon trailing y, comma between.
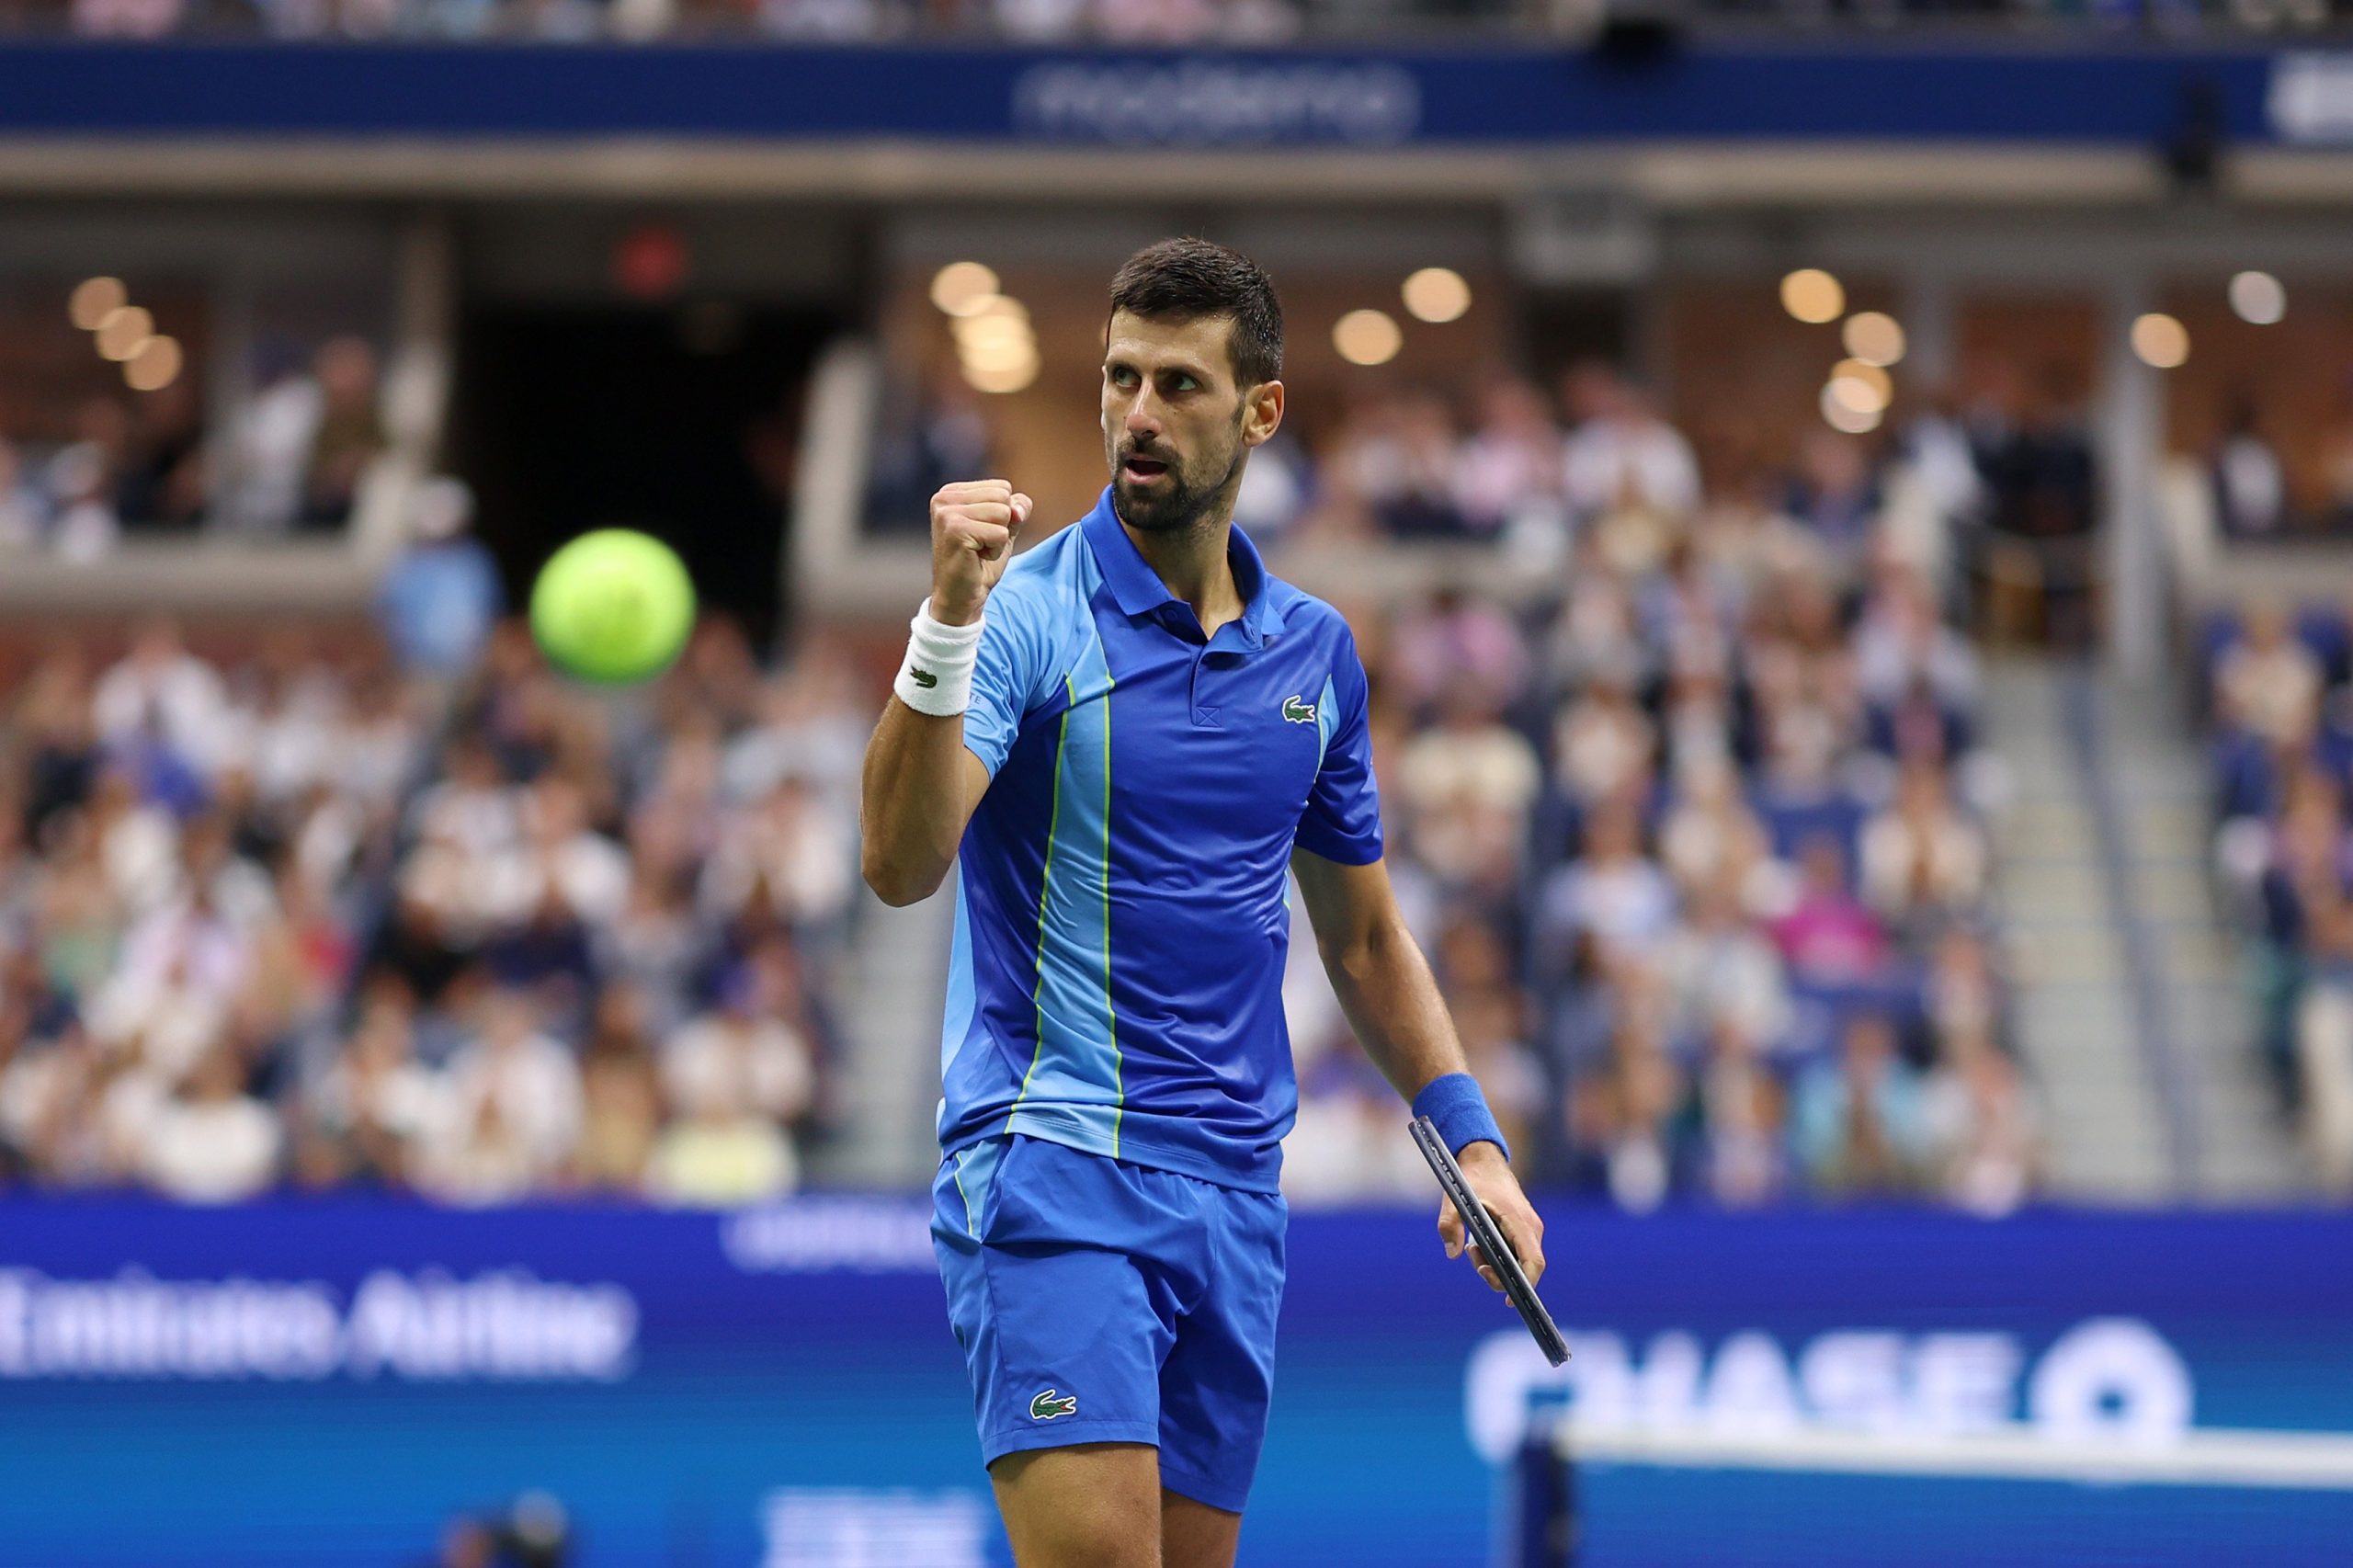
x: 1139, y: 590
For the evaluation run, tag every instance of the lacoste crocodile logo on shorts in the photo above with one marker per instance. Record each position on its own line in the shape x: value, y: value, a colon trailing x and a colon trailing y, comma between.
x: 1299, y: 713
x: 1049, y: 1404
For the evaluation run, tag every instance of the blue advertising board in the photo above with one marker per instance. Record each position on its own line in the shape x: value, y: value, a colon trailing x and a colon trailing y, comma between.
x: 329, y: 1382
x: 2117, y: 94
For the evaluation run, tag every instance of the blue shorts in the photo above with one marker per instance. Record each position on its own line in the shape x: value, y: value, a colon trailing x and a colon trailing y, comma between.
x: 1101, y: 1301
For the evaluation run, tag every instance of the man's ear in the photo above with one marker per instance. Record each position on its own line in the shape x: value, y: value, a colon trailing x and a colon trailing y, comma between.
x: 1262, y: 413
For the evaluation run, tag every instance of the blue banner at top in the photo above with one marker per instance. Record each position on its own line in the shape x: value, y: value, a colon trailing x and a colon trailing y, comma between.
x: 1264, y: 100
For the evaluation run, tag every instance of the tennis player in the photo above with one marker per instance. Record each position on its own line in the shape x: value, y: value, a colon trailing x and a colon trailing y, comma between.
x: 1124, y: 737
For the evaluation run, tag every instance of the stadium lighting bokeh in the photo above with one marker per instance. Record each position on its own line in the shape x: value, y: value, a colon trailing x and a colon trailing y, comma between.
x: 1813, y: 296
x: 1842, y: 416
x: 92, y: 299
x: 123, y: 330
x: 1013, y: 375
x: 2160, y: 342
x: 1367, y: 337
x: 995, y: 347
x: 959, y: 288
x: 155, y: 365
x: 1437, y: 295
x: 2258, y: 299
x: 1869, y: 389
x: 1874, y: 337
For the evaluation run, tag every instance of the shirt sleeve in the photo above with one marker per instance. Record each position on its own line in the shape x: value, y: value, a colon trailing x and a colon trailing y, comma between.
x: 1009, y: 668
x: 1342, y: 822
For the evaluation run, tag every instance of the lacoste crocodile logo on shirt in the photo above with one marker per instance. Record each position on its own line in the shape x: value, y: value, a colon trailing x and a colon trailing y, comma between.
x: 1049, y: 1404
x: 1299, y: 713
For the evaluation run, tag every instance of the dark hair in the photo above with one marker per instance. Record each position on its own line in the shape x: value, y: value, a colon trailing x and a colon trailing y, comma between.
x: 1186, y: 280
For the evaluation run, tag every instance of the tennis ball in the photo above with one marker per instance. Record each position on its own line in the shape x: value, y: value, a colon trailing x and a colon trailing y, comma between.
x: 614, y: 606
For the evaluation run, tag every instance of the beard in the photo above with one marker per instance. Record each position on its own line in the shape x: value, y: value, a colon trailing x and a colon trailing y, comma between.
x: 1184, y: 493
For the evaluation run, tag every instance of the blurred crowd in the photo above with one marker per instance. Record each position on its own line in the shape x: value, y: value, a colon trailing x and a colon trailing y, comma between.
x: 1107, y: 21
x: 1696, y: 839
x: 293, y: 459
x: 298, y: 918
x: 2278, y: 685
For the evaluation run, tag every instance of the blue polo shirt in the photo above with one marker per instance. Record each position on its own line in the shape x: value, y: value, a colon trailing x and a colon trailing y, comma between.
x: 1121, y: 908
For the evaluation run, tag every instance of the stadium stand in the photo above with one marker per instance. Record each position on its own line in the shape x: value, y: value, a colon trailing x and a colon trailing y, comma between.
x: 1110, y: 22
x: 1695, y: 838
x: 282, y: 917
x: 2274, y: 684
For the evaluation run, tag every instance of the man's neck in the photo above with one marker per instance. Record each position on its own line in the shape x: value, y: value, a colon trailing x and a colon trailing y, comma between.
x: 1194, y: 565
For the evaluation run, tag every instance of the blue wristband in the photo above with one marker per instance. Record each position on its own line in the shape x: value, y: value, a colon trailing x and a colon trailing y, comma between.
x: 1459, y: 1108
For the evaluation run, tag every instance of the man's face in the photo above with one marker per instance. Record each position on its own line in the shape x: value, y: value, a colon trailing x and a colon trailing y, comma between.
x: 1176, y: 425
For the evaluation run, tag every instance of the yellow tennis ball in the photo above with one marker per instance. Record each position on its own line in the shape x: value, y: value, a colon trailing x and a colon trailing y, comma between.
x: 614, y: 606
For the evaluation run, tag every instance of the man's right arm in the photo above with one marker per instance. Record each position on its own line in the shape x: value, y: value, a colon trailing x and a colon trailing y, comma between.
x: 921, y: 782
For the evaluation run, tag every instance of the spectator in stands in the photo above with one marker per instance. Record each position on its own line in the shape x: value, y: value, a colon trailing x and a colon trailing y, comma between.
x: 718, y: 1152
x: 1743, y: 540
x: 755, y: 1039
x: 375, y: 1105
x: 514, y: 1113
x: 620, y: 1099
x: 304, y: 443
x: 1859, y: 1125
x: 1901, y: 647
x: 1710, y: 839
x: 440, y: 597
x: 1612, y: 892
x: 1621, y: 456
x: 1983, y: 1127
x: 1700, y: 728
x: 1964, y: 994
x: 1597, y: 636
x: 269, y: 448
x: 2324, y: 1024
x: 1835, y: 493
x: 929, y: 433
x: 785, y: 856
x: 2043, y: 488
x: 1725, y: 989
x: 2268, y: 682
x: 1620, y: 1117
x: 1829, y: 937
x: 2250, y: 486
x: 160, y: 690
x: 212, y: 1143
x: 1453, y: 643
x: 1466, y: 786
x: 1507, y: 474
x: 1605, y: 745
x: 1737, y: 1110
x: 81, y: 479
x: 1398, y: 464
x: 164, y: 482
x: 1922, y: 861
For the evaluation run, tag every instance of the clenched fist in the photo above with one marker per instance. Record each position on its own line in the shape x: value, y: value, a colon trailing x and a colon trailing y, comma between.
x: 972, y: 526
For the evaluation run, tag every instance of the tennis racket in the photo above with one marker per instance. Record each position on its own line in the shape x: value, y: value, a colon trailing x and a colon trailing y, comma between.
x: 1489, y: 1238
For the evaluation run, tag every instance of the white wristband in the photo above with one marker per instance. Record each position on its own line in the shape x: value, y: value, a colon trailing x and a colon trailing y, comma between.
x: 935, y: 677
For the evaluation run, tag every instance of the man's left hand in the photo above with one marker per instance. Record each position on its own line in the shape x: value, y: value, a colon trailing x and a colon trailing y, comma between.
x: 1490, y: 1176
